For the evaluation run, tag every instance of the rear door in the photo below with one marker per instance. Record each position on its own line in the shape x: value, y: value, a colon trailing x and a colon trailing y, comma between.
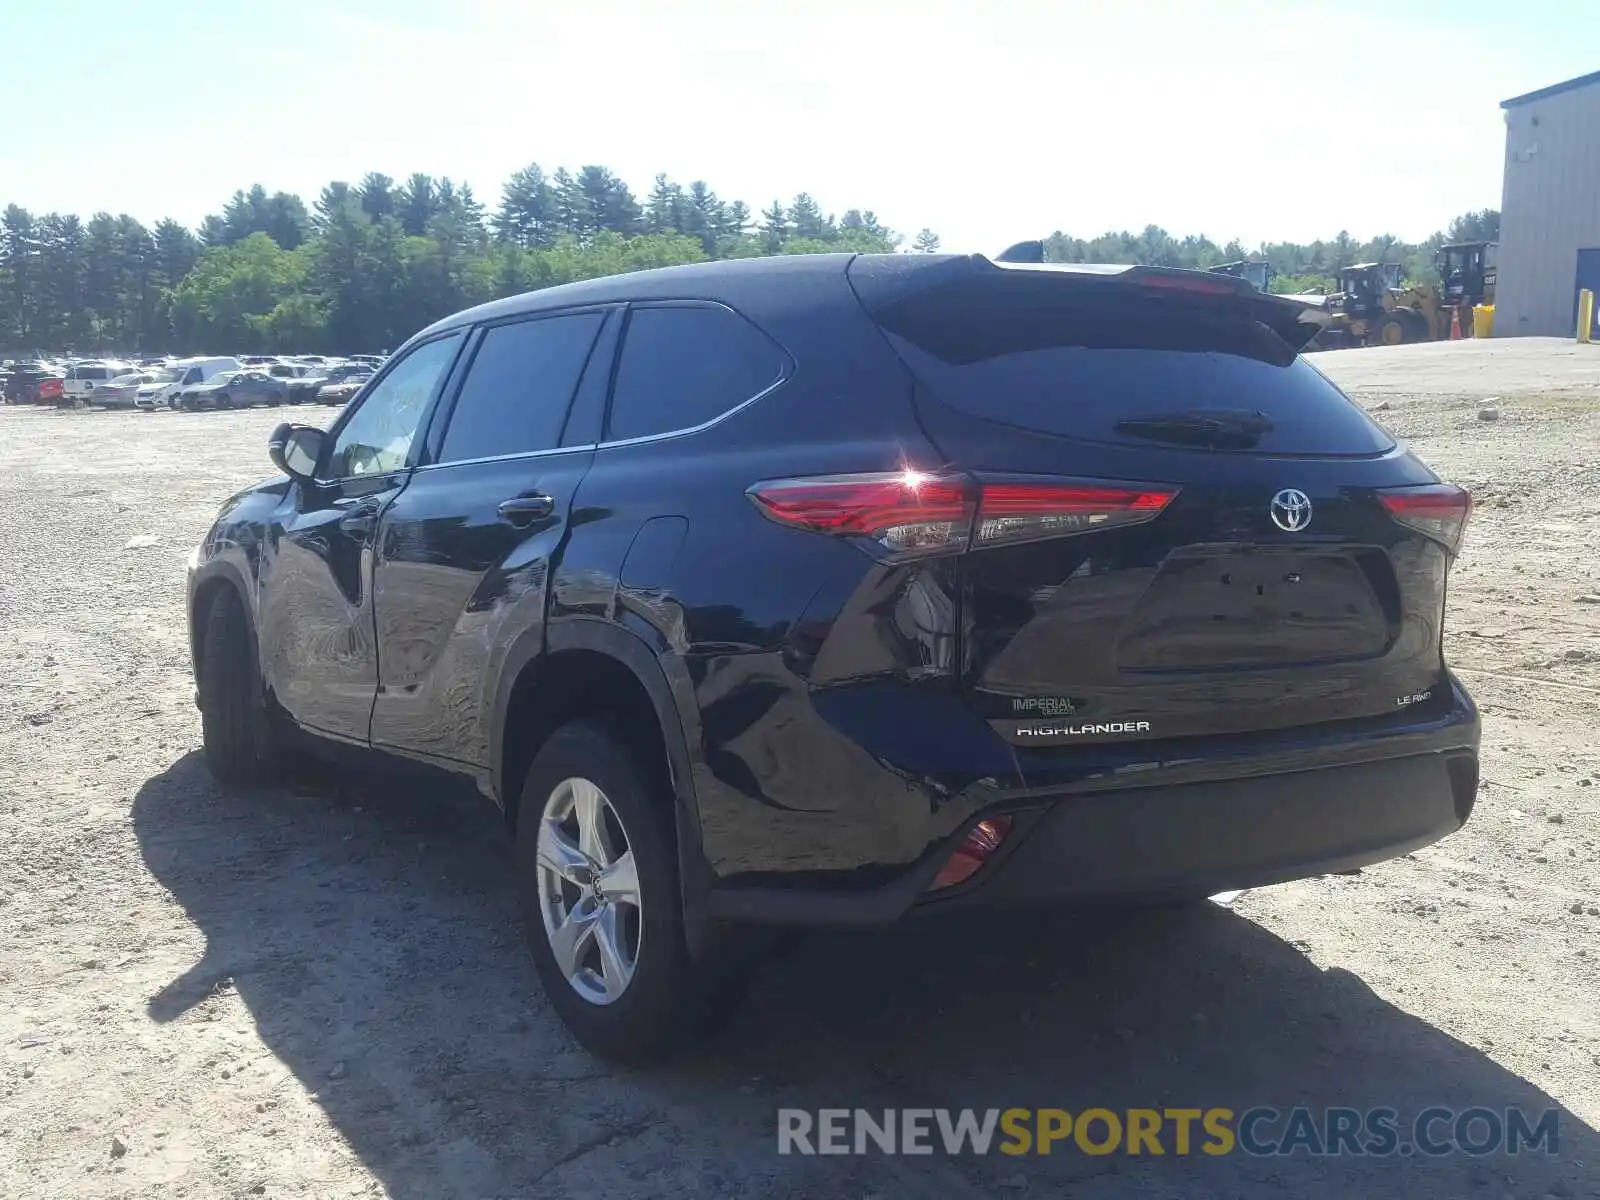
x: 1185, y: 528
x: 466, y: 550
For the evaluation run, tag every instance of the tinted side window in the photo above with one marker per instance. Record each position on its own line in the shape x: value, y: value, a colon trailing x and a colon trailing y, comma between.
x: 682, y: 366
x: 515, y: 396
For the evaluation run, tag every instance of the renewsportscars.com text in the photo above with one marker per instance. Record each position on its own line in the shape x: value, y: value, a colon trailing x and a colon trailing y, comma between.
x: 1260, y: 1131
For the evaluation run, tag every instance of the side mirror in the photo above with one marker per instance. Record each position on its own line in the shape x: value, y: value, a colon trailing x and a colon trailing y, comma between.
x: 296, y: 449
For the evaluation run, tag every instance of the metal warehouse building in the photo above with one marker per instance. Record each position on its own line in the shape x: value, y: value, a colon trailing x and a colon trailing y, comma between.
x: 1550, y: 208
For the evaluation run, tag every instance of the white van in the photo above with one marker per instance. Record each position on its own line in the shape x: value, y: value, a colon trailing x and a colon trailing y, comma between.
x: 83, y: 377
x: 186, y: 372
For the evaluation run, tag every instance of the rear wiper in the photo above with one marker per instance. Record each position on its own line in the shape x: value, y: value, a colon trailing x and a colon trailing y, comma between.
x: 1217, y: 428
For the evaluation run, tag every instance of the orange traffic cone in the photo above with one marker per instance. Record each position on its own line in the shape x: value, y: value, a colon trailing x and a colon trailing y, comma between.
x: 1455, y: 324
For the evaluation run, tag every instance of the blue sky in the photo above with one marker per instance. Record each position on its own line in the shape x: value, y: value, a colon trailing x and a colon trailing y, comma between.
x: 988, y: 120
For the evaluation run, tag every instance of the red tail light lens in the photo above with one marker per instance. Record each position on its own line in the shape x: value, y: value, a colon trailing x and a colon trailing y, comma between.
x: 982, y: 840
x: 1201, y: 285
x: 905, y: 512
x: 909, y: 512
x: 1439, y: 510
x: 1015, y: 512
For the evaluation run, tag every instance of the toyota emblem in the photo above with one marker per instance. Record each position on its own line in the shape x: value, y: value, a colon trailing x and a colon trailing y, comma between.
x: 1291, y: 510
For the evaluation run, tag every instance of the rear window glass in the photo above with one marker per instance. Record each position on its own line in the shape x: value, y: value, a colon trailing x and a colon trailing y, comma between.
x: 1141, y: 372
x: 683, y: 366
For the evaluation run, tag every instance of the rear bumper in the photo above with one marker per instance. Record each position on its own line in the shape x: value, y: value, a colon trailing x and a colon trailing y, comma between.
x: 1201, y: 838
x: 1335, y: 806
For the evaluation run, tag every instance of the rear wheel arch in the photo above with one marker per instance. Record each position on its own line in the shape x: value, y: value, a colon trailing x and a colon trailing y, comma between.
x: 587, y: 670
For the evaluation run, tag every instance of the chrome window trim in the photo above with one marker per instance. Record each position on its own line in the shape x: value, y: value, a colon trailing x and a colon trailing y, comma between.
x: 499, y: 458
x: 704, y: 425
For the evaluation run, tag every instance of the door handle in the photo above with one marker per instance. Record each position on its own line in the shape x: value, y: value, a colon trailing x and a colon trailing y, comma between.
x: 360, y: 520
x: 524, y: 510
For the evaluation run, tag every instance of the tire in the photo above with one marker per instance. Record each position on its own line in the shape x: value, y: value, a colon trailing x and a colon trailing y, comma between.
x: 1391, y: 330
x: 240, y: 749
x: 224, y: 402
x: 668, y: 1000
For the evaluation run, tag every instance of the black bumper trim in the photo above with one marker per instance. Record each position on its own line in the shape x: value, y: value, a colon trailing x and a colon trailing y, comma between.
x: 1179, y: 840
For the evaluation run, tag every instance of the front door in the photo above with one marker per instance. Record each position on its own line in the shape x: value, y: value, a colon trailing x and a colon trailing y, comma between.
x: 316, y: 596
x: 465, y: 551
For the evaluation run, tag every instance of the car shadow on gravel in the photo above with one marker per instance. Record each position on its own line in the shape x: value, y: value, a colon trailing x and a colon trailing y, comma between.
x: 372, y: 930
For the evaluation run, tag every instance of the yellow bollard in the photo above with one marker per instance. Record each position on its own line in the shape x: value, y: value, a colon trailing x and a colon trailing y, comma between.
x: 1585, y: 314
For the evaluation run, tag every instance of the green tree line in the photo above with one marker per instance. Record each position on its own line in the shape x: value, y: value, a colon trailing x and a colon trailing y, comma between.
x: 369, y: 263
x: 1296, y: 267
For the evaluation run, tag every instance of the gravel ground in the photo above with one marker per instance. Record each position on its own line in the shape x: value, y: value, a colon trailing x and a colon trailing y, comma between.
x: 321, y: 992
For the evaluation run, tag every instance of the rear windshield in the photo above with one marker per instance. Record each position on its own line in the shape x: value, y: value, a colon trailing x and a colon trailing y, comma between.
x: 1134, y: 371
x: 90, y: 373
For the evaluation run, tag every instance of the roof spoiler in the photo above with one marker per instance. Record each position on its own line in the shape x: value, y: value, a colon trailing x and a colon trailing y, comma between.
x: 1292, y: 319
x: 1022, y: 252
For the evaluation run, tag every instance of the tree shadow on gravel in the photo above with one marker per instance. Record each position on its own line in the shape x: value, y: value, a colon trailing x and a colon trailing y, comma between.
x: 372, y: 930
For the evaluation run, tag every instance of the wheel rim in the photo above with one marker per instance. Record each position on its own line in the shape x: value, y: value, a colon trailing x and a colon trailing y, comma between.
x: 1393, y: 334
x: 589, y: 891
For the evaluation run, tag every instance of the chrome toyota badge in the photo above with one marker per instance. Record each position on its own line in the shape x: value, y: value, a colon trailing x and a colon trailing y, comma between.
x: 1291, y: 510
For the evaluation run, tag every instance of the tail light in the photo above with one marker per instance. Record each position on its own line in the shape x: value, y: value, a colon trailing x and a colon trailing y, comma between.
x: 905, y: 512
x: 1439, y: 510
x: 982, y: 840
x: 1017, y: 512
x: 911, y: 513
x: 1200, y: 285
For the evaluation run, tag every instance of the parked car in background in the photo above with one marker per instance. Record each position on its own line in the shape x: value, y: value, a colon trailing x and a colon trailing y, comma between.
x: 257, y: 360
x: 333, y: 394
x: 84, y: 377
x: 122, y: 391
x: 187, y: 372
x: 304, y: 390
x: 234, y: 389
x: 157, y: 390
x: 25, y: 380
x: 372, y: 360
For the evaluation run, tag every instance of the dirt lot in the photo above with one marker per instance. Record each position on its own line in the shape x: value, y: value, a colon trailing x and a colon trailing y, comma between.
x: 322, y: 992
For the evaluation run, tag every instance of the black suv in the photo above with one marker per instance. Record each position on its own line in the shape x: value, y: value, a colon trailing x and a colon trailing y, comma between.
x: 833, y: 589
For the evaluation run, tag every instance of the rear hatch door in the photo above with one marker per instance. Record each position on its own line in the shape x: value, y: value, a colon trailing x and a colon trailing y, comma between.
x: 1187, y: 529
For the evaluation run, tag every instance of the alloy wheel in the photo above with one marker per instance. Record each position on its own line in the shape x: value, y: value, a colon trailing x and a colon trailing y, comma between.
x: 589, y: 891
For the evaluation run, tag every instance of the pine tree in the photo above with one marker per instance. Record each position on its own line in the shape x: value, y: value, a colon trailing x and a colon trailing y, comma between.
x: 337, y: 201
x: 376, y: 194
x: 775, y: 229
x: 573, y: 215
x: 527, y: 209
x: 417, y: 202
x: 807, y: 221
x: 610, y: 204
x: 664, y: 211
x: 285, y: 220
x: 926, y: 242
